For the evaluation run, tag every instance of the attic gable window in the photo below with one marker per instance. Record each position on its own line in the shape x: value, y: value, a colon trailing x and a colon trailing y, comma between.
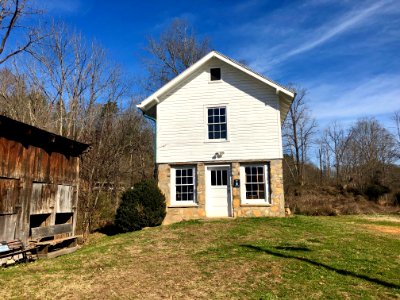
x: 215, y: 74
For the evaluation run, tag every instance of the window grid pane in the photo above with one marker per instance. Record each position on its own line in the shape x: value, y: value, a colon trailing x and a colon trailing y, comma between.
x: 217, y: 127
x: 184, y: 184
x: 255, y: 183
x: 219, y: 177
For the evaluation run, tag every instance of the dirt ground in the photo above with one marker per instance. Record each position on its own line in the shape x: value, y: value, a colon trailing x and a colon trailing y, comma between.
x: 384, y: 229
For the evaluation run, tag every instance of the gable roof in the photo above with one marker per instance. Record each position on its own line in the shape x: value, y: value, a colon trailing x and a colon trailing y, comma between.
x: 285, y: 94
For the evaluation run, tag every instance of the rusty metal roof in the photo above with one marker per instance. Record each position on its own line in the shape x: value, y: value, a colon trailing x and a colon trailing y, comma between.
x: 31, y: 135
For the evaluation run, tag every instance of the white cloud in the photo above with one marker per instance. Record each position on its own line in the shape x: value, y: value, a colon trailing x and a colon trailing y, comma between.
x: 342, y: 80
x: 294, y: 31
x: 378, y: 96
x: 343, y: 24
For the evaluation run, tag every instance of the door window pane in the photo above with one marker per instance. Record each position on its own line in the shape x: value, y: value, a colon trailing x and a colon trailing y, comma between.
x: 219, y: 177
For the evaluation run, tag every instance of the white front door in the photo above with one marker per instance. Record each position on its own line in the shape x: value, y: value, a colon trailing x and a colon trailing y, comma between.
x: 218, y: 198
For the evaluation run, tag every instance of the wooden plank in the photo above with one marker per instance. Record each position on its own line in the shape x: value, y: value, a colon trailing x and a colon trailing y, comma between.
x: 9, y: 193
x: 60, y: 252
x: 41, y: 232
x: 55, y: 242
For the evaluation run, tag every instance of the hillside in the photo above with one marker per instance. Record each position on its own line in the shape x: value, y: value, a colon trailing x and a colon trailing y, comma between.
x: 265, y: 258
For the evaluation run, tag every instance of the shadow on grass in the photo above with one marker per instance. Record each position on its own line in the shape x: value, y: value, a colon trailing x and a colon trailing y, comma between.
x: 109, y: 229
x: 318, y: 264
x: 291, y: 248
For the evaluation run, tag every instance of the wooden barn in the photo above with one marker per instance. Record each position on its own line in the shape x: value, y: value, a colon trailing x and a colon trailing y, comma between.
x: 39, y: 179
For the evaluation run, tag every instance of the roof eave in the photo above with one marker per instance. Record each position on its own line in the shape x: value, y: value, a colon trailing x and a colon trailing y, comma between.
x: 284, y: 109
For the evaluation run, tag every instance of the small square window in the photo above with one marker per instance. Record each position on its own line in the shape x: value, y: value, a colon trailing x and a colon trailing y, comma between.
x: 215, y: 74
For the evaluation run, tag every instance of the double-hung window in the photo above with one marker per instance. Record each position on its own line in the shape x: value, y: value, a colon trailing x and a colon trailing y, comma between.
x: 183, y: 183
x: 217, y: 123
x: 255, y: 187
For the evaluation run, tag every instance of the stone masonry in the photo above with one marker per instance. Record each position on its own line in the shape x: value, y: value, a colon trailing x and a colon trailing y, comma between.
x: 177, y: 214
x: 277, y: 206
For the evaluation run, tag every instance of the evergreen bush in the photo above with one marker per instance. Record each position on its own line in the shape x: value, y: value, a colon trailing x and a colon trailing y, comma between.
x: 142, y: 206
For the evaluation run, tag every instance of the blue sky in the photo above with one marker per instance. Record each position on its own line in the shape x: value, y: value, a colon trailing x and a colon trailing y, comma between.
x: 345, y: 53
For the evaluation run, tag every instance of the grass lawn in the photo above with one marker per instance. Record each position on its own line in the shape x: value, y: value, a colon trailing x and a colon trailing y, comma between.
x: 259, y: 258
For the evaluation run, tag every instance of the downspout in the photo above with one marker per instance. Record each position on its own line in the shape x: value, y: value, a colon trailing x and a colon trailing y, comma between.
x: 155, y: 142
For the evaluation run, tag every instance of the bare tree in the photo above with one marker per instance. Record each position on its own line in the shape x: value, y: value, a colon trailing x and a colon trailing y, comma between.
x: 22, y: 101
x: 324, y: 157
x: 396, y: 119
x: 116, y: 138
x: 371, y: 149
x: 176, y: 49
x: 11, y: 12
x: 85, y: 94
x: 298, y: 131
x: 336, y: 140
x: 73, y: 76
x: 68, y: 86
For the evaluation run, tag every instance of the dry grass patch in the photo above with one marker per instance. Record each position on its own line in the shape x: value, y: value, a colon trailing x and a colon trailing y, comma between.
x: 382, y: 218
x: 384, y: 229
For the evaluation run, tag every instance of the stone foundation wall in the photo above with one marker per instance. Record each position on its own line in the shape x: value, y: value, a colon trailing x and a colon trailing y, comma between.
x: 177, y: 214
x: 277, y: 206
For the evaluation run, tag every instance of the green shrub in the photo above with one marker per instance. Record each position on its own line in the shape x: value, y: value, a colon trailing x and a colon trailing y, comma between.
x: 374, y: 191
x: 142, y: 206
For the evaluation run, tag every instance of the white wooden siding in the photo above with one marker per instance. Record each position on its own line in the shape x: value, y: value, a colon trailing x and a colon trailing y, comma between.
x: 253, y: 118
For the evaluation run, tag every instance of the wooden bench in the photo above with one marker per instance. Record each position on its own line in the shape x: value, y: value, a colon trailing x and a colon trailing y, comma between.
x: 48, y: 249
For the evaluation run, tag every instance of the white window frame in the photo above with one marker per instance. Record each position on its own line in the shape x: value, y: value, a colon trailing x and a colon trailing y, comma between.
x: 174, y: 202
x: 218, y: 105
x: 244, y: 200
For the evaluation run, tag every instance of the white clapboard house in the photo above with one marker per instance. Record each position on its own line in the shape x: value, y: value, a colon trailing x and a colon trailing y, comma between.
x: 219, y: 144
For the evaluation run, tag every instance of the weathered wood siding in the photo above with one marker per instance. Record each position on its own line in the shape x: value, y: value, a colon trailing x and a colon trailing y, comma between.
x: 34, y: 181
x: 65, y: 202
x: 254, y: 125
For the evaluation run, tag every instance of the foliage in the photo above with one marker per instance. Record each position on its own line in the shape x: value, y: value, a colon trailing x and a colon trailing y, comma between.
x: 358, y: 160
x: 142, y: 206
x: 331, y: 201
